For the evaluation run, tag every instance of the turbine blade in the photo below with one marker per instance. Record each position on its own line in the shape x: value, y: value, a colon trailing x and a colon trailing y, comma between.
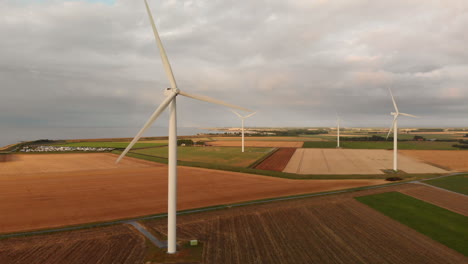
x: 393, y: 99
x: 165, y: 60
x: 148, y: 123
x: 249, y: 115
x: 236, y: 113
x: 391, y: 128
x: 409, y: 115
x: 214, y: 101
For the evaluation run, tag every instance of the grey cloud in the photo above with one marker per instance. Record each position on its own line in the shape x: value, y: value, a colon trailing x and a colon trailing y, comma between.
x: 297, y: 62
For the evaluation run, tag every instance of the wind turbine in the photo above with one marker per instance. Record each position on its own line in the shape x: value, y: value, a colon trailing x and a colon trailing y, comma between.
x: 170, y: 101
x: 243, y: 118
x: 395, y: 131
x: 337, y: 131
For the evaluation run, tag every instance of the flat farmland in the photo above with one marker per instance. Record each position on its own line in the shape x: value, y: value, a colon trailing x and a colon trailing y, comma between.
x: 214, y: 155
x: 44, y: 200
x: 456, y: 160
x: 143, y: 144
x: 46, y: 163
x: 278, y: 160
x: 328, y: 229
x: 302, y: 138
x: 267, y: 144
x: 114, y: 244
x: 352, y: 161
x: 457, y: 203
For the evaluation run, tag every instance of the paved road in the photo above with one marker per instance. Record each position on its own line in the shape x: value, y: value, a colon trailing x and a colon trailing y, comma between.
x: 147, y: 234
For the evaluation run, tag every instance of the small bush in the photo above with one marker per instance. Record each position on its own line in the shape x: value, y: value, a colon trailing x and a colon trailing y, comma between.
x: 393, y: 179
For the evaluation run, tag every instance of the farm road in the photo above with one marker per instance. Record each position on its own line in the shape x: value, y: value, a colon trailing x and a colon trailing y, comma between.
x: 147, y: 234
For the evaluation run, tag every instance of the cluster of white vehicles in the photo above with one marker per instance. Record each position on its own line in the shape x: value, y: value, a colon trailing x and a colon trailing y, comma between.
x: 59, y: 149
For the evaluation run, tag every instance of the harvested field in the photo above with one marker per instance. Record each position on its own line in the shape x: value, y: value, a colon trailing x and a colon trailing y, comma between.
x: 114, y: 244
x: 451, y: 159
x: 328, y: 229
x: 352, y: 161
x: 457, y: 203
x: 44, y: 200
x: 248, y: 138
x: 45, y: 163
x: 266, y: 144
x: 278, y: 160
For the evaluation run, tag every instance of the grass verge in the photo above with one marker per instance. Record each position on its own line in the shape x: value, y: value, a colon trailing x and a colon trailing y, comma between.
x: 440, y: 224
x: 456, y: 183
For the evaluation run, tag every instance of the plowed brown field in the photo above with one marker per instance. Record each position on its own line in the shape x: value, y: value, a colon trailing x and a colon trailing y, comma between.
x: 116, y: 244
x: 450, y: 159
x: 331, y: 229
x: 278, y: 160
x: 457, y: 203
x: 44, y: 200
x: 269, y: 144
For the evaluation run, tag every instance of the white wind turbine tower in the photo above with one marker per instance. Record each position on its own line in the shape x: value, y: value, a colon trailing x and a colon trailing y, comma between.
x: 170, y: 101
x: 337, y: 131
x: 243, y: 118
x: 395, y: 131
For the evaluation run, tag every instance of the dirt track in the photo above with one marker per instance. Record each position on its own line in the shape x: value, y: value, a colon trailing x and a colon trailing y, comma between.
x: 269, y: 144
x: 278, y: 160
x: 328, y: 229
x: 451, y: 201
x: 42, y: 200
x: 352, y: 161
x: 451, y: 159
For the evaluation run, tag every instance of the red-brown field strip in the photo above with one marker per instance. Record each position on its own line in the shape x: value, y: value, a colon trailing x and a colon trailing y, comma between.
x: 327, y: 229
x: 457, y: 203
x: 53, y: 199
x: 278, y: 160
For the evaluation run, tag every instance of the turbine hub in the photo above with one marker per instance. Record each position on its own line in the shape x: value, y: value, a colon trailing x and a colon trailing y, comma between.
x: 168, y: 91
x: 393, y: 113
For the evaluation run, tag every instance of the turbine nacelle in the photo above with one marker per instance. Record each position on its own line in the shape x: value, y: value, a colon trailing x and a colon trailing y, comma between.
x: 170, y: 91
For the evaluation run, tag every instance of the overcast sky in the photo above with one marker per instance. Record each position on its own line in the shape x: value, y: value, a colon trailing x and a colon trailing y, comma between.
x: 94, y: 63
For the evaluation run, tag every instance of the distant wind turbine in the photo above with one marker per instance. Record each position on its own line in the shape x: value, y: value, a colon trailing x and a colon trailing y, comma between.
x: 170, y: 101
x: 395, y: 131
x: 337, y: 131
x: 243, y: 118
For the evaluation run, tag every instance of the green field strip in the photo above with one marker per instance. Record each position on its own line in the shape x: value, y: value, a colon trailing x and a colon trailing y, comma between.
x: 456, y: 183
x: 440, y: 224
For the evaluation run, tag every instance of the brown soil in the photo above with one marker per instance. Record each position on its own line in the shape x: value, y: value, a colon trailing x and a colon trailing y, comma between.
x: 451, y: 159
x: 328, y: 229
x: 115, y: 244
x: 52, y: 199
x: 278, y: 160
x: 269, y: 144
x: 457, y: 203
